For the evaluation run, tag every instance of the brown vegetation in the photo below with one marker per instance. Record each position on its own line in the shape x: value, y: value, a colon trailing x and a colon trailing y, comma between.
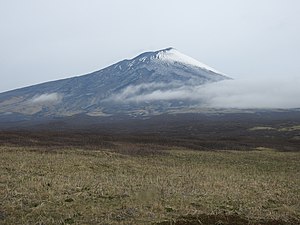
x: 245, y: 170
x: 76, y: 186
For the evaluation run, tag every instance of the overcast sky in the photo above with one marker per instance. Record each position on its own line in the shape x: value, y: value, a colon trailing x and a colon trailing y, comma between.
x: 47, y: 40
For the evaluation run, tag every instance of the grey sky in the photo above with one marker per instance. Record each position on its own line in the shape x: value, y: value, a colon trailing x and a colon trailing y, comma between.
x: 47, y: 40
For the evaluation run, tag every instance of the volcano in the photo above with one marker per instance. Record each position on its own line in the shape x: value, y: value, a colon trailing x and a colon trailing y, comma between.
x: 151, y: 83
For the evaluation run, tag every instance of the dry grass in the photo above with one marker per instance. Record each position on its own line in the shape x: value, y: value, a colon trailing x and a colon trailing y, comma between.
x: 102, y: 187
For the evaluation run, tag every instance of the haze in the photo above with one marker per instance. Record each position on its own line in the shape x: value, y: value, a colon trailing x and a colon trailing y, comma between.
x: 255, y: 41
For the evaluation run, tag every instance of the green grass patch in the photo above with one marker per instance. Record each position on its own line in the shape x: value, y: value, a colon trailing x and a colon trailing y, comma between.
x: 292, y: 128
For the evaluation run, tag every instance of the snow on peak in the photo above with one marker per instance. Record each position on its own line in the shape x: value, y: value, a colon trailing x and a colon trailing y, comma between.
x: 171, y: 55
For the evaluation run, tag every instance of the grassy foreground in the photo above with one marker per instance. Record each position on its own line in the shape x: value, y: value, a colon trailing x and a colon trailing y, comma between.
x: 102, y: 187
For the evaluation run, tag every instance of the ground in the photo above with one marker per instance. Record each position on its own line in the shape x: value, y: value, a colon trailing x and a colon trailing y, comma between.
x: 206, y: 169
x: 78, y: 185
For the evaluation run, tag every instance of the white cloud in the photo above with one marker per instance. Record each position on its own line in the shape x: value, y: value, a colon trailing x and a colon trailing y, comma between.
x: 47, y: 98
x: 241, y: 93
x: 254, y: 93
x: 136, y: 93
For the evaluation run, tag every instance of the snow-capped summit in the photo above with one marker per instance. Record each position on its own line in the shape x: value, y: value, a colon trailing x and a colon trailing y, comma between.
x: 150, y: 82
x: 172, y: 55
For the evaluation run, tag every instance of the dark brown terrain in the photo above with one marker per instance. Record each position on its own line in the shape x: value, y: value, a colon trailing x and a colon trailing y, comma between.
x: 231, y: 131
